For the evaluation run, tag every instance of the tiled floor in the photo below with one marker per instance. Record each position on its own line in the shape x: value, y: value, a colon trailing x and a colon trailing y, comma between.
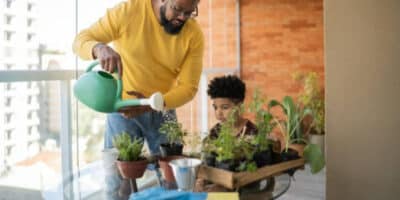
x: 306, y: 186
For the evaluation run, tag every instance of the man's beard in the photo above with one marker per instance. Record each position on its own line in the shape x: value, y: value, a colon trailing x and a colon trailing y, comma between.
x: 167, y: 24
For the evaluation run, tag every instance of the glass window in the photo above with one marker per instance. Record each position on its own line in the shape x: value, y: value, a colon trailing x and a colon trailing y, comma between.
x: 9, y: 134
x: 9, y: 3
x: 8, y: 19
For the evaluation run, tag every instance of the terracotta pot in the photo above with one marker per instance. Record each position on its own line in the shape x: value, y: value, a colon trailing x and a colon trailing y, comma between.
x: 132, y: 169
x: 167, y: 170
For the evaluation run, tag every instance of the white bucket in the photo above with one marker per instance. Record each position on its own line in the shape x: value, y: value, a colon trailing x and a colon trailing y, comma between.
x: 185, y: 172
x: 109, y: 157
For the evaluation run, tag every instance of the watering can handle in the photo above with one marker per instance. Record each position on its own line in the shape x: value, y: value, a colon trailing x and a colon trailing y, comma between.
x: 119, y: 81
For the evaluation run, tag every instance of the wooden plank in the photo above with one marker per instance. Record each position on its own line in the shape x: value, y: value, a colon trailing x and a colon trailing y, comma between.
x: 215, y: 175
x: 244, y: 178
x: 233, y: 180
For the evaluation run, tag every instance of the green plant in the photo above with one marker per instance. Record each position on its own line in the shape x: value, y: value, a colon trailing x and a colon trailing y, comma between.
x: 294, y: 116
x: 290, y: 127
x: 129, y: 150
x: 263, y: 119
x: 312, y: 97
x: 174, y: 131
x: 193, y: 140
x: 225, y: 142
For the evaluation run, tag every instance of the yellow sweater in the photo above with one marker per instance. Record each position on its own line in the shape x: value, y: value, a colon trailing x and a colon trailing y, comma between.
x: 152, y: 59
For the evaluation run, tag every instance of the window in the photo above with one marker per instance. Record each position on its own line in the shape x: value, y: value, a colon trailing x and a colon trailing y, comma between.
x: 30, y: 36
x: 30, y: 115
x: 9, y: 66
x: 29, y: 99
x: 9, y: 117
x: 8, y: 35
x: 29, y: 22
x: 29, y: 6
x: 9, y: 86
x: 9, y: 134
x: 8, y: 101
x: 9, y: 151
x: 9, y: 3
x: 8, y: 19
x: 30, y: 130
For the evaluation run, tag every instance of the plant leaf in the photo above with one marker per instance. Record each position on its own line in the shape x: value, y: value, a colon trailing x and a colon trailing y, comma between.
x: 313, y: 155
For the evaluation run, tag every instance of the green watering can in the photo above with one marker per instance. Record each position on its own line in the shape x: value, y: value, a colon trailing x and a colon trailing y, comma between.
x: 100, y: 91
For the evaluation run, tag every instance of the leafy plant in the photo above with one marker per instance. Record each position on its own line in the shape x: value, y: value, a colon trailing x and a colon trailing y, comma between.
x: 225, y: 141
x: 263, y: 119
x: 193, y: 141
x: 294, y: 116
x: 129, y: 150
x: 313, y: 98
x: 290, y: 127
x: 174, y: 132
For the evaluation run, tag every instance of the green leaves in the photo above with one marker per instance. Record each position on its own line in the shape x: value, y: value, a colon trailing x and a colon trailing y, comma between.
x: 129, y: 150
x: 173, y: 130
x: 314, y: 156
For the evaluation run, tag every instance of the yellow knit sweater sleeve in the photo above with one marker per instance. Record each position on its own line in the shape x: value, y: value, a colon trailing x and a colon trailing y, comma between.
x: 188, y: 79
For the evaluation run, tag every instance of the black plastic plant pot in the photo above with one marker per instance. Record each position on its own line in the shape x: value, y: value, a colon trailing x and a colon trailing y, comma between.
x: 228, y: 165
x: 263, y: 158
x: 288, y: 156
x: 167, y: 149
x: 276, y: 157
x: 209, y: 159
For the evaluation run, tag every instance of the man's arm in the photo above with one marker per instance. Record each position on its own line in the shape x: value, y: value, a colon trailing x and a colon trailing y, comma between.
x: 188, y: 79
x: 91, y: 43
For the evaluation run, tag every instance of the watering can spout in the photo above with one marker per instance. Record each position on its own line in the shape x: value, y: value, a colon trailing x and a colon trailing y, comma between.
x: 100, y: 91
x: 156, y: 102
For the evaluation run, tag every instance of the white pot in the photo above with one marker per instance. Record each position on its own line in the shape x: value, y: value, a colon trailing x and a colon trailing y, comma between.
x: 318, y: 140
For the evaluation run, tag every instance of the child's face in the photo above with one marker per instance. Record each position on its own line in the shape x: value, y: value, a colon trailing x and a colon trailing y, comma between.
x: 222, y: 108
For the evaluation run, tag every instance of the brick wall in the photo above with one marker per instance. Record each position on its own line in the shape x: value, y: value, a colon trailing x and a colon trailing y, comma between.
x: 278, y: 38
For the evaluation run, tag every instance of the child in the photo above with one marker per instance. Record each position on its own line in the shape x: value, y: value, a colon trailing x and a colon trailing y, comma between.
x: 228, y: 92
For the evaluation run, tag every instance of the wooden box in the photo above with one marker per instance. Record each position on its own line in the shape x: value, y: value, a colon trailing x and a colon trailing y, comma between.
x: 234, y: 180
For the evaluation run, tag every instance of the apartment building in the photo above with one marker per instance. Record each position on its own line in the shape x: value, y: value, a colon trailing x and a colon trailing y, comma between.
x: 19, y: 101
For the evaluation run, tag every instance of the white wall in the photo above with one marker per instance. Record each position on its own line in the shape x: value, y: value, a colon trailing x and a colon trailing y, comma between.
x: 362, y: 97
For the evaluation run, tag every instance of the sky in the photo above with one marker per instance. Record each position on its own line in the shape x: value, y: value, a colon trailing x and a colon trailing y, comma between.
x: 56, y: 21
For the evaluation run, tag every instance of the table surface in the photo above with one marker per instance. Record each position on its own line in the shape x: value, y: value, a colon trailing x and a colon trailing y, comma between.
x: 266, y: 190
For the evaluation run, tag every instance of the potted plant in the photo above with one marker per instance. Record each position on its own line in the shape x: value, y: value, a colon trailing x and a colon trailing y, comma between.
x: 225, y: 146
x: 312, y: 97
x: 174, y: 132
x: 294, y: 115
x: 209, y: 151
x: 131, y: 163
x: 263, y: 118
x: 172, y: 149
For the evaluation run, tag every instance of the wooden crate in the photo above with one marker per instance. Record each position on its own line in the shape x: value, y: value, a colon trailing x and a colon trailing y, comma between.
x: 234, y: 180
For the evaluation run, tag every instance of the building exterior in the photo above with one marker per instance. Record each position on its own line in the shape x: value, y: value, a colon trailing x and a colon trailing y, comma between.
x: 19, y: 101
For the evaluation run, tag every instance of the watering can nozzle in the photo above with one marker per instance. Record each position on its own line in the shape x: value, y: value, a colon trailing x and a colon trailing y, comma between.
x: 156, y: 101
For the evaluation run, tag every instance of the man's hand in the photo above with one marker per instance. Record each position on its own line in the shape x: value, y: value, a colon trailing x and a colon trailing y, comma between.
x: 133, y: 111
x: 109, y: 59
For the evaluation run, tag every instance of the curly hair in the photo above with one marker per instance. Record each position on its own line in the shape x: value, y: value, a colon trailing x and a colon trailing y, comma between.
x: 228, y: 86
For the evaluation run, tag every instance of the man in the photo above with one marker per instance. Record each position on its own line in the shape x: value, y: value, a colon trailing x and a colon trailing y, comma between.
x: 158, y: 46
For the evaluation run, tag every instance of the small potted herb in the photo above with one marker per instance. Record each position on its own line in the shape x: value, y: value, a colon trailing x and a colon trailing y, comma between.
x: 174, y: 132
x: 173, y: 148
x: 263, y: 120
x: 131, y: 163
